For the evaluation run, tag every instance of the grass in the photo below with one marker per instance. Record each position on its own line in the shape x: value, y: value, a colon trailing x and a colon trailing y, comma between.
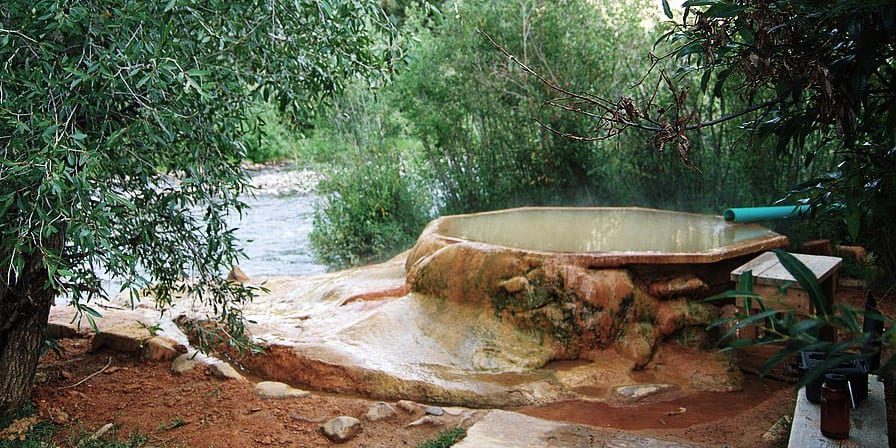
x: 445, y: 439
x: 24, y: 429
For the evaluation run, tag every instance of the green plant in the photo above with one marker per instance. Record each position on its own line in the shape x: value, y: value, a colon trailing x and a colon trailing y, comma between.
x: 23, y: 429
x: 368, y: 211
x: 795, y: 334
x: 120, y: 144
x: 153, y: 329
x: 445, y: 439
x: 174, y: 423
x: 269, y: 136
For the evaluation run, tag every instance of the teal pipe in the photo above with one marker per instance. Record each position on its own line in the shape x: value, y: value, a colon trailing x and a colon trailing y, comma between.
x: 750, y: 214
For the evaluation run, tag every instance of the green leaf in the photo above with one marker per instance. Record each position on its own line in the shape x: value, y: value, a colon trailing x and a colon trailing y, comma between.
x: 666, y: 9
x: 806, y: 279
x: 722, y: 10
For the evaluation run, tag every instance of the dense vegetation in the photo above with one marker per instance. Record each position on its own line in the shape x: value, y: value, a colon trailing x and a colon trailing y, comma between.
x: 470, y: 130
x: 121, y: 127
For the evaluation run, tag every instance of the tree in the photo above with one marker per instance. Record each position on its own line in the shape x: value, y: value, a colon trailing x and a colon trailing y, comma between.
x: 815, y: 77
x: 120, y: 151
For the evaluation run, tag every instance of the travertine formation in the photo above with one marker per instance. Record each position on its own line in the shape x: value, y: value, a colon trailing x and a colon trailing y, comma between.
x: 466, y: 323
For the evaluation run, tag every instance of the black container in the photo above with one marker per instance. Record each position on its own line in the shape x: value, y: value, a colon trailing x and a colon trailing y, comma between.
x: 855, y: 370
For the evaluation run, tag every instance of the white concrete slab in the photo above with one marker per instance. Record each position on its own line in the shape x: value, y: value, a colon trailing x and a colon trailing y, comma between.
x: 868, y: 422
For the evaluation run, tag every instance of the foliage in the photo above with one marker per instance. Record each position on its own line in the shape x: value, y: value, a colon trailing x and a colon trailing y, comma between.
x: 473, y: 111
x: 797, y: 334
x: 120, y: 133
x: 468, y: 118
x: 269, y: 137
x: 35, y: 433
x: 817, y: 77
x: 370, y: 209
x: 445, y: 439
x: 22, y: 428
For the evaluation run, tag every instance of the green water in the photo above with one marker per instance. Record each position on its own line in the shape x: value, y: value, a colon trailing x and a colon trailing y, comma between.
x: 601, y: 230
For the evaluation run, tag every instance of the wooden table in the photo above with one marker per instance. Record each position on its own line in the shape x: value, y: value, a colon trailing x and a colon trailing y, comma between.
x: 772, y: 281
x: 868, y: 422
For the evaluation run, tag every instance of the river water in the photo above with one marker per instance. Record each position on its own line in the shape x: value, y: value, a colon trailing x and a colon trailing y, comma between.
x: 274, y: 231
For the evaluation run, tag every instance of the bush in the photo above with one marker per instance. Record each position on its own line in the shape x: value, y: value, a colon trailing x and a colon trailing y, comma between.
x: 268, y: 137
x: 445, y: 439
x: 368, y: 211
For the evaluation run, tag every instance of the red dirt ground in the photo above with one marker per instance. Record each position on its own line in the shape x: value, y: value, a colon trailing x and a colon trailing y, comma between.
x: 138, y: 395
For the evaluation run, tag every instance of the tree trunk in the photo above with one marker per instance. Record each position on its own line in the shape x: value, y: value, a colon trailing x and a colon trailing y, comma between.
x: 24, y: 310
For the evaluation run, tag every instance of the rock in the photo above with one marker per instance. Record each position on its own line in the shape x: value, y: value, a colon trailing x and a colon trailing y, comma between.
x: 685, y: 286
x: 237, y: 275
x: 637, y: 343
x: 273, y: 389
x: 428, y: 420
x: 454, y: 411
x: 160, y: 348
x: 102, y: 431
x: 778, y: 432
x: 184, y: 363
x: 409, y: 406
x: 58, y: 416
x: 856, y: 253
x: 225, y: 371
x: 61, y: 330
x: 341, y: 429
x: 380, y: 411
x: 126, y: 338
x: 515, y: 284
x: 434, y: 410
x: 817, y: 247
x: 637, y: 392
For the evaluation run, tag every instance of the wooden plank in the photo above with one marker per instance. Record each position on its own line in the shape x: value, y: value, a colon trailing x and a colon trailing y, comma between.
x: 868, y: 422
x: 767, y: 270
x: 758, y: 265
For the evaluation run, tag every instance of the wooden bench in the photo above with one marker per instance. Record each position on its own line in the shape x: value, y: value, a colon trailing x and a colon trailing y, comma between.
x: 782, y: 292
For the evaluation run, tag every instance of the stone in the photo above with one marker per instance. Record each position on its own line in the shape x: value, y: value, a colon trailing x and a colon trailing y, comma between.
x: 434, y: 410
x: 237, y: 275
x: 817, y: 247
x: 778, y: 432
x: 276, y: 390
x: 225, y: 372
x: 856, y: 253
x: 454, y: 411
x: 127, y: 338
x: 184, y: 363
x: 515, y: 284
x: 160, y: 348
x: 638, y: 392
x: 380, y: 411
x: 427, y: 420
x: 409, y: 406
x: 500, y: 429
x: 61, y: 330
x: 341, y: 429
x: 637, y: 343
x: 689, y: 286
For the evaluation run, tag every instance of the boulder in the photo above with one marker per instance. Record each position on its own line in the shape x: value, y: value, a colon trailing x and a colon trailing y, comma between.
x: 127, y: 338
x: 380, y: 411
x: 160, y: 348
x: 225, y: 372
x: 273, y: 389
x: 341, y: 429
x: 184, y: 363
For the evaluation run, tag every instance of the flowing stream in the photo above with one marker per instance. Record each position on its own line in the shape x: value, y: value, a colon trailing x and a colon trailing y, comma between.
x: 274, y: 231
